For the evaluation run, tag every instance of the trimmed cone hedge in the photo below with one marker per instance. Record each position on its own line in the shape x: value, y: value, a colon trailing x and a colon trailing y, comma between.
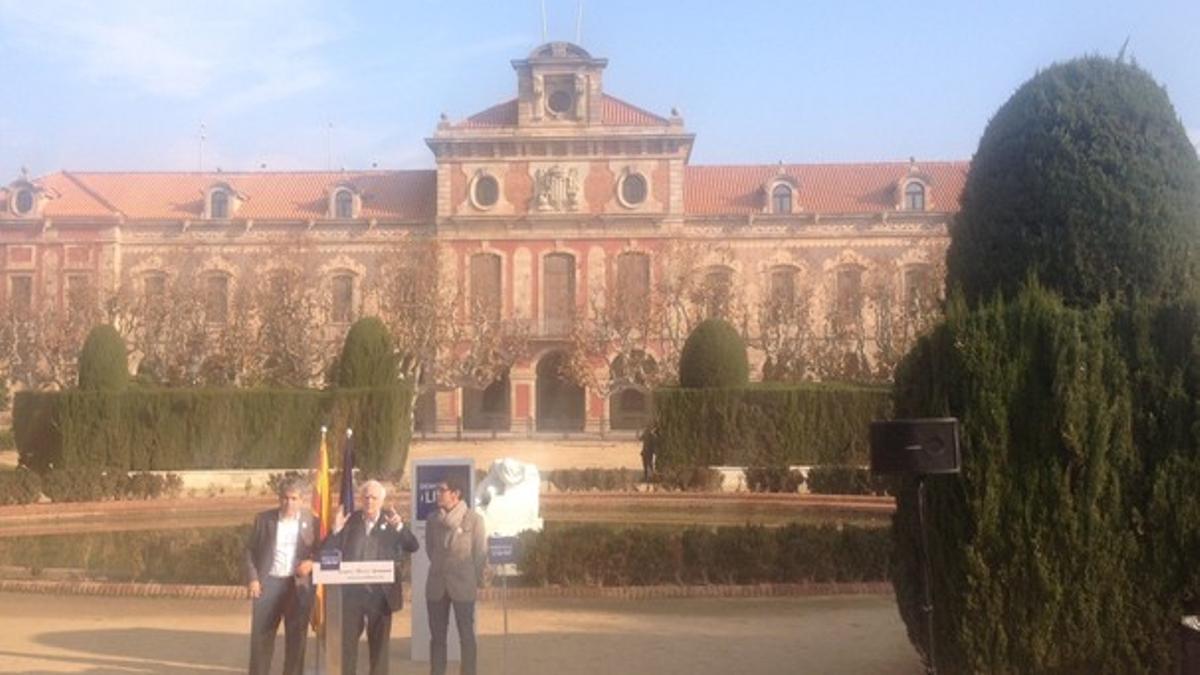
x: 714, y: 355
x: 178, y: 429
x: 766, y: 425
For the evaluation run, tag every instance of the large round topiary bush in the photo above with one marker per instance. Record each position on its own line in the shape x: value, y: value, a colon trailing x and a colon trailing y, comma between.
x: 102, y: 361
x: 1086, y: 179
x: 714, y: 356
x: 367, y: 358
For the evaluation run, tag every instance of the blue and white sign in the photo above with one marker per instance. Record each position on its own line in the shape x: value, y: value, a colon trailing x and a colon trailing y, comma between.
x: 502, y: 550
x: 427, y: 476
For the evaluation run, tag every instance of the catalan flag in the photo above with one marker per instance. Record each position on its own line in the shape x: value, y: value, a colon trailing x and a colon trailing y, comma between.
x: 321, y: 507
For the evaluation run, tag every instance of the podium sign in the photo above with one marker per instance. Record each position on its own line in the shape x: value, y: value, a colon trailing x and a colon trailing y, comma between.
x: 364, y: 572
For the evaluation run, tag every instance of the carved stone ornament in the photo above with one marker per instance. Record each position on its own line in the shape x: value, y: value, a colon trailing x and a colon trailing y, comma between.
x: 556, y: 189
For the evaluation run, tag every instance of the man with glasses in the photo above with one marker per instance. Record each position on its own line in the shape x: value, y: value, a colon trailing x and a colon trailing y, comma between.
x: 456, y: 543
x: 371, y: 533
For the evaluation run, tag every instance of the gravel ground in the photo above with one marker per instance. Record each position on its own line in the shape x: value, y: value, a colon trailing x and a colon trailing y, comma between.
x: 855, y: 634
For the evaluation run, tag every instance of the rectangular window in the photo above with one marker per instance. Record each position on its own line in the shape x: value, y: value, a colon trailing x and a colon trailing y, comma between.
x: 77, y: 291
x: 916, y: 289
x: 154, y: 286
x: 485, y: 286
x: 849, y: 293
x: 216, y: 298
x: 718, y: 291
x: 633, y: 282
x: 20, y: 292
x: 783, y: 287
x: 559, y: 281
x: 343, y: 298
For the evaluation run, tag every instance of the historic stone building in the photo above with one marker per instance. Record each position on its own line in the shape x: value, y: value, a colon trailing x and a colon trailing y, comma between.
x: 543, y: 207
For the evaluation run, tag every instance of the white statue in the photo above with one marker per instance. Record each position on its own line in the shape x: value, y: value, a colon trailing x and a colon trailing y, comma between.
x: 508, y: 498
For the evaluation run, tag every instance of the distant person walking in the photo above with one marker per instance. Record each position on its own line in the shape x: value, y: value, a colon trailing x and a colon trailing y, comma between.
x: 649, y: 440
x: 456, y: 543
x: 278, y: 571
x: 371, y: 533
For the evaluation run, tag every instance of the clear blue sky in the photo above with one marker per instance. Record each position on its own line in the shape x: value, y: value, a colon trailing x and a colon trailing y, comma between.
x: 122, y: 85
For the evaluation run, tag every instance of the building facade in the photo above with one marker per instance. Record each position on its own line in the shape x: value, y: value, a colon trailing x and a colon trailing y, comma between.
x: 558, y: 254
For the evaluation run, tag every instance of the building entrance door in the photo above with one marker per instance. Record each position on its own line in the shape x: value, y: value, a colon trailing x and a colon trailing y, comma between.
x: 560, y: 403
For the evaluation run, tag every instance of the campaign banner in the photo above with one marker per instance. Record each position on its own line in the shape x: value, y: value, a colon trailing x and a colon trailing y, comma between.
x: 427, y: 475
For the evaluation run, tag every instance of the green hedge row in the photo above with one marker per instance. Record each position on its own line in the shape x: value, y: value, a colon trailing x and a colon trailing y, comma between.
x: 561, y: 555
x: 748, y: 554
x: 177, y: 429
x: 19, y: 487
x: 184, y: 556
x: 85, y: 484
x: 765, y: 425
x: 847, y: 480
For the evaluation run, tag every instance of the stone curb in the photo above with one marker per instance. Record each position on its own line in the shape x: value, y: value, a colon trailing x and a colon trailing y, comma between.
x: 198, y: 592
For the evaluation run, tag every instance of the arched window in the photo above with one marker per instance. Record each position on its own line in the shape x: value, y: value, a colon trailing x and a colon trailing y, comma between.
x: 781, y: 199
x: 218, y: 204
x: 343, y: 204
x: 914, y: 197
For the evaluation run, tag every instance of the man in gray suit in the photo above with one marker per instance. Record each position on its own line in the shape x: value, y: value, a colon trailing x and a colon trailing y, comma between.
x: 278, y: 571
x: 456, y: 542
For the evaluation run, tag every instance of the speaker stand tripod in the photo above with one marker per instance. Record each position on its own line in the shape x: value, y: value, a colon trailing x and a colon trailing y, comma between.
x: 926, y: 585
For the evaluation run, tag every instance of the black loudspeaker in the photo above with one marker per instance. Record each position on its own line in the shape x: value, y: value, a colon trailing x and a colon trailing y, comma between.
x: 916, y: 446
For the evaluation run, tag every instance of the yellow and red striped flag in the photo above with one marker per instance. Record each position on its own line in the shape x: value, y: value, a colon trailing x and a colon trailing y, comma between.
x: 321, y: 507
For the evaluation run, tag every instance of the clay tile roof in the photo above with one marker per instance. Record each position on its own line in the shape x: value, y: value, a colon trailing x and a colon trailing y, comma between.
x: 401, y: 195
x: 613, y: 112
x: 503, y: 115
x: 823, y: 188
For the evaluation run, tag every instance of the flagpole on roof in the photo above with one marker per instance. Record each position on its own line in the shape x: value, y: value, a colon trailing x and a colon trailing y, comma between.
x: 579, y: 24
x: 543, y: 21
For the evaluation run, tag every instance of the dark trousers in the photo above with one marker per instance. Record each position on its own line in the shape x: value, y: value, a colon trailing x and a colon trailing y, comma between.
x: 280, y: 601
x: 647, y: 467
x: 439, y: 625
x: 369, y: 609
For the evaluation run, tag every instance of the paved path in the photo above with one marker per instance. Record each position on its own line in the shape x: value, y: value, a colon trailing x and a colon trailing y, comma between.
x: 861, y: 634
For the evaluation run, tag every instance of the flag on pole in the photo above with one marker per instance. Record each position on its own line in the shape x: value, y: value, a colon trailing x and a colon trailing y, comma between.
x: 348, y: 474
x: 321, y: 507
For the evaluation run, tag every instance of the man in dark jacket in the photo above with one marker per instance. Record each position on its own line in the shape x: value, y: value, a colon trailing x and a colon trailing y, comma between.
x: 371, y: 533
x: 278, y: 572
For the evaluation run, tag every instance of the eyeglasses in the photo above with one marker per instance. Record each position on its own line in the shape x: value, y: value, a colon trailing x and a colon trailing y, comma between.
x: 442, y: 488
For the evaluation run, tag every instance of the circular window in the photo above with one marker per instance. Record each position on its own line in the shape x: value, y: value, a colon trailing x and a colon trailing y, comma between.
x: 486, y: 192
x: 633, y: 189
x: 560, y: 101
x: 23, y: 204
